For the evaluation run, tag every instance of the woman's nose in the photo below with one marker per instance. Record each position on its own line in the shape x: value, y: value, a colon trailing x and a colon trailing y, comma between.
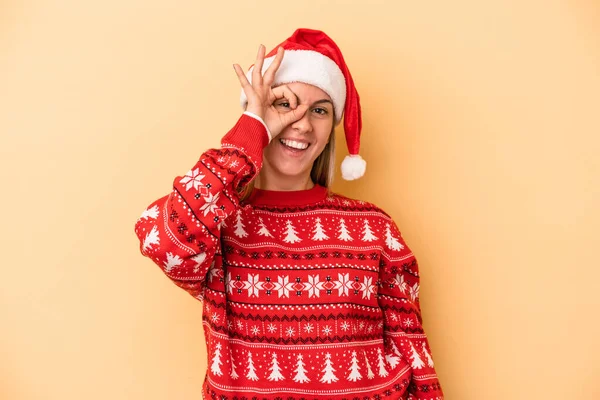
x: 303, y: 124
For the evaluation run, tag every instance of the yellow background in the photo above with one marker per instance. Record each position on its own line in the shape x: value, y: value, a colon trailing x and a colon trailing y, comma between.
x: 481, y: 133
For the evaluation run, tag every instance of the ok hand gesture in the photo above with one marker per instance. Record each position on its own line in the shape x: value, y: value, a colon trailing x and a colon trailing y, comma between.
x: 261, y: 95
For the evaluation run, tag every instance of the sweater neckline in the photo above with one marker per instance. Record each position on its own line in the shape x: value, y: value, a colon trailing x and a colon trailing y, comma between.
x: 287, y: 197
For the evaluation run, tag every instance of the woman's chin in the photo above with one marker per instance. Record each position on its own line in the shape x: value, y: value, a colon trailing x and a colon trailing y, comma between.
x: 290, y: 169
x: 291, y: 173
x: 288, y: 166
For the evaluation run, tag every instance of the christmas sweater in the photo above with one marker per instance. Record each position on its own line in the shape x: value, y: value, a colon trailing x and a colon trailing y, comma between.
x: 306, y: 294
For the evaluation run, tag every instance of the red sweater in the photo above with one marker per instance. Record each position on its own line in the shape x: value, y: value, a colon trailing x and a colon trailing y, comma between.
x: 306, y: 294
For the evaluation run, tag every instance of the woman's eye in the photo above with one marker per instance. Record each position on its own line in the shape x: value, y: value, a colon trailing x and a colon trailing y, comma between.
x: 321, y: 111
x: 286, y: 105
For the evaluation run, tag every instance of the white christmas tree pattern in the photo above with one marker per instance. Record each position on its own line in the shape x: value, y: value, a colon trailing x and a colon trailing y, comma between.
x: 328, y: 371
x: 150, y: 213
x: 291, y: 236
x: 427, y: 356
x: 263, y: 229
x: 151, y: 238
x: 239, y: 225
x: 216, y: 361
x: 392, y: 359
x: 233, y: 374
x: 417, y: 362
x: 344, y: 234
x: 173, y: 261
x: 275, y: 370
x: 300, y: 376
x: 395, y: 350
x: 319, y: 234
x: 368, y: 233
x: 370, y: 373
x: 391, y: 242
x: 251, y: 370
x: 381, y: 364
x: 354, y: 369
x: 193, y: 179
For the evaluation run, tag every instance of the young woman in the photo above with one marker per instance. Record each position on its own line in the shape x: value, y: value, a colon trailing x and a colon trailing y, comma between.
x: 307, y: 294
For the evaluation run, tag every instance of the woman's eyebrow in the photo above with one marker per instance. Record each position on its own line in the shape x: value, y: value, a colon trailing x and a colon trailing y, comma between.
x: 323, y: 101
x: 316, y: 102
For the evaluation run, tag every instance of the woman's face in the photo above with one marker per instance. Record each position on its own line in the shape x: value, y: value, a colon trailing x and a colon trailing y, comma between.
x: 293, y: 152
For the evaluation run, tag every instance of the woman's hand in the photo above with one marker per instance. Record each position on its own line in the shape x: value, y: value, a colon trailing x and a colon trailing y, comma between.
x: 261, y: 95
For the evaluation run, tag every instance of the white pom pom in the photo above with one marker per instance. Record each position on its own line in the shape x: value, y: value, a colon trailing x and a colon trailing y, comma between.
x: 353, y: 167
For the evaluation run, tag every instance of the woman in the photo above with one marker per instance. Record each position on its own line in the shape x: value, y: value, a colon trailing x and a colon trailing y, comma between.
x: 307, y: 294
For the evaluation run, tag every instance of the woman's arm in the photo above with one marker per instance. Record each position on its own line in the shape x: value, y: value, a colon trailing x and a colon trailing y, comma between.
x: 180, y: 232
x: 405, y: 338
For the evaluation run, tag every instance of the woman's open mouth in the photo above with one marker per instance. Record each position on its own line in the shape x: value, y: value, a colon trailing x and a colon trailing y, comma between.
x: 294, y: 147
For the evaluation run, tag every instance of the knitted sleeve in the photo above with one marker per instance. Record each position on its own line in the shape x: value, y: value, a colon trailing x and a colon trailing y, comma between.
x: 180, y: 231
x: 403, y: 326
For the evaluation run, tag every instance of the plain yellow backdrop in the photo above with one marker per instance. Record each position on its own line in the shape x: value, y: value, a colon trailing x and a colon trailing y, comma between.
x: 481, y: 134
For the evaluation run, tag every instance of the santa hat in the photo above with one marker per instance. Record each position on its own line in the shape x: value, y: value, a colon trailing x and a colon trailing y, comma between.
x: 313, y: 57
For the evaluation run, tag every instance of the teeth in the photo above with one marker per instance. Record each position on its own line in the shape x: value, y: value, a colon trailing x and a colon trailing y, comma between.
x: 294, y: 144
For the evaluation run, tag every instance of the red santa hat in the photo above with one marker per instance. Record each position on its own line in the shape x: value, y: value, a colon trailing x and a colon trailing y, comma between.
x: 313, y: 57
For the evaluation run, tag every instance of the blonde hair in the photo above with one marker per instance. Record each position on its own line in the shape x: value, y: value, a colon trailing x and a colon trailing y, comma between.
x: 322, y: 171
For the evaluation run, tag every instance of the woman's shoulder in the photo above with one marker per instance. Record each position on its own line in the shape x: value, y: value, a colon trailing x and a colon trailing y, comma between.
x: 354, y: 204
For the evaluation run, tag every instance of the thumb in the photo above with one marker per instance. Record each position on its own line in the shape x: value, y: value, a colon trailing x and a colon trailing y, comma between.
x: 294, y: 115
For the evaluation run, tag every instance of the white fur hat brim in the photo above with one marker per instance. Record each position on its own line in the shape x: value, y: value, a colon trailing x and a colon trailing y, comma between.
x: 310, y: 67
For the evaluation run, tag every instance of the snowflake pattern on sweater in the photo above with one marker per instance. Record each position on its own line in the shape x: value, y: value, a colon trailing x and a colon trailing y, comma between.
x: 306, y: 294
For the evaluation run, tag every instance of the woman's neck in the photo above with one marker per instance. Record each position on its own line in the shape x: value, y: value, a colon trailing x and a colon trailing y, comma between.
x: 283, y: 183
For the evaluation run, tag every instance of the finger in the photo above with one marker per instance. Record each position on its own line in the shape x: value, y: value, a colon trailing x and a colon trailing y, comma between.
x: 248, y: 89
x: 294, y: 115
x: 283, y: 91
x: 257, y: 72
x: 241, y: 75
x: 269, y: 76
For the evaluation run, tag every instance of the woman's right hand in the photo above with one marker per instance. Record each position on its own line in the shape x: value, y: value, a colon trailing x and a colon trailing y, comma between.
x: 261, y: 96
